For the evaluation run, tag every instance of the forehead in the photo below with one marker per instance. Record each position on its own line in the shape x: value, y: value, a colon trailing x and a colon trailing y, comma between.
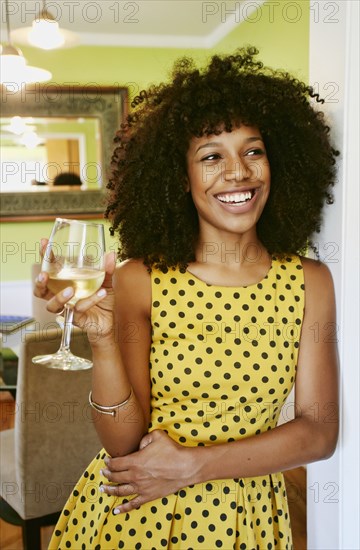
x: 239, y: 134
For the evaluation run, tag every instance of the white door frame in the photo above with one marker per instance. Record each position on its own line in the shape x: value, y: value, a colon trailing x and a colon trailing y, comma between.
x: 333, y: 486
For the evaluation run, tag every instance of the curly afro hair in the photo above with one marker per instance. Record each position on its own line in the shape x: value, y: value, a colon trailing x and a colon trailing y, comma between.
x: 149, y: 205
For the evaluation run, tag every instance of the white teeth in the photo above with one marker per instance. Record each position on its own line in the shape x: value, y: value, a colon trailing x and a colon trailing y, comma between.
x: 235, y: 197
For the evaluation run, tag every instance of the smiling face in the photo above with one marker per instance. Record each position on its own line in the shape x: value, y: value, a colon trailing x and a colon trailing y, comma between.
x: 229, y: 180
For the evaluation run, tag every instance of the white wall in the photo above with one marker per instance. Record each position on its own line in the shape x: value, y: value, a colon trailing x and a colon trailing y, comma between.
x: 16, y: 298
x: 333, y: 485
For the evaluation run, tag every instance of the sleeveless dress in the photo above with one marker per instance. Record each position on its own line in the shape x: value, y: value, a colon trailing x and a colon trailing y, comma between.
x: 223, y: 361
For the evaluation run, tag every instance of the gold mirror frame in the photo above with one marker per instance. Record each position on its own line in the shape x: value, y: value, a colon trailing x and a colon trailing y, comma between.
x: 108, y: 104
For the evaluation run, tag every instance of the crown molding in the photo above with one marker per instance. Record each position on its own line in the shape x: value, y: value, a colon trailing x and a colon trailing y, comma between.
x: 241, y: 12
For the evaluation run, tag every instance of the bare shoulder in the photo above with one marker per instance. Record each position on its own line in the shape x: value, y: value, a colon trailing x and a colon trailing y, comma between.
x: 132, y: 284
x: 131, y: 269
x: 315, y: 272
x: 319, y: 284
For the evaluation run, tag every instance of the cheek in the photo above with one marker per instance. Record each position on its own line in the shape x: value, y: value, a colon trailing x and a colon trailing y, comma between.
x: 267, y: 189
x: 195, y: 185
x: 263, y: 172
x: 195, y: 198
x: 199, y: 201
x: 267, y: 172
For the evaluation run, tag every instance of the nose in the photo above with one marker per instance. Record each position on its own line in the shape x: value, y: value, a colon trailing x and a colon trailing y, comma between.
x: 236, y: 170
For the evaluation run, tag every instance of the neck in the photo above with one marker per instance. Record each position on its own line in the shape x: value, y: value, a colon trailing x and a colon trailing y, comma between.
x: 237, y: 251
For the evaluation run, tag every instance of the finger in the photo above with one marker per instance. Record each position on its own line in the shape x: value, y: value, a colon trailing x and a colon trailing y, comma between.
x: 133, y: 504
x: 87, y: 303
x: 43, y: 245
x: 151, y: 437
x: 116, y: 477
x: 146, y: 440
x: 40, y: 287
x: 123, y: 490
x: 110, y: 261
x: 58, y: 302
x: 47, y: 251
x: 118, y: 464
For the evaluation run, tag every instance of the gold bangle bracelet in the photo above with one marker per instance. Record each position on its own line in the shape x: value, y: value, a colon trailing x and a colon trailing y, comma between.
x: 108, y: 410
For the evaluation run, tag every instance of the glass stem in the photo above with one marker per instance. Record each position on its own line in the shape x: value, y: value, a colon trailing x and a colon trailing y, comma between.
x: 66, y: 334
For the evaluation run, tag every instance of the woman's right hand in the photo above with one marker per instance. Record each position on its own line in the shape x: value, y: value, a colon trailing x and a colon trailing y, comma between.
x: 94, y: 314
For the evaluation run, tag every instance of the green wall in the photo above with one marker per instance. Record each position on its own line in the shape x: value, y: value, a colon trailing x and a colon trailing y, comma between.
x: 280, y: 30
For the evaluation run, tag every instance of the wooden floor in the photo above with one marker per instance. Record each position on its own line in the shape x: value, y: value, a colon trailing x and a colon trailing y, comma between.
x: 10, y: 536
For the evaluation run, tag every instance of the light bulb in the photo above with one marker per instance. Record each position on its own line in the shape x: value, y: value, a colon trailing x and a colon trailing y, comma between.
x: 45, y: 34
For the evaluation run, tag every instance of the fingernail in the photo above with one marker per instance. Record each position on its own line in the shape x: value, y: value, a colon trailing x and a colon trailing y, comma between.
x: 68, y: 292
x: 40, y: 278
x: 106, y: 460
x: 102, y: 489
x: 101, y: 292
x: 116, y: 511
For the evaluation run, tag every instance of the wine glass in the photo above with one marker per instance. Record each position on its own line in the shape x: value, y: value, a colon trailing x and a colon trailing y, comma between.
x: 74, y: 256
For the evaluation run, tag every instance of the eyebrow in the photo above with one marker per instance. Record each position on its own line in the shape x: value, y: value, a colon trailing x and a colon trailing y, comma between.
x: 219, y: 144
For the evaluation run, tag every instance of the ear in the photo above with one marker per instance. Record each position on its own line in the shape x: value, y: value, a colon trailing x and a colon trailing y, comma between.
x: 187, y: 185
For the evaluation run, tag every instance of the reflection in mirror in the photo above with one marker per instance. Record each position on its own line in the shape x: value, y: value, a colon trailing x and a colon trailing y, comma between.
x: 37, y: 150
x: 49, y: 131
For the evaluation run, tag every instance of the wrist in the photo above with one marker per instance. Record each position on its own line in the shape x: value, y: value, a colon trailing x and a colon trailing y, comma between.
x: 194, y: 464
x: 102, y: 342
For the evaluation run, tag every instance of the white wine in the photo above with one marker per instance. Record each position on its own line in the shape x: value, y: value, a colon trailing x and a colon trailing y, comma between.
x: 84, y: 281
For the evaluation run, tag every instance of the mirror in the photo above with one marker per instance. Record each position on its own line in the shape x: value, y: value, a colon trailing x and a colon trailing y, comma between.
x: 37, y: 150
x: 56, y: 149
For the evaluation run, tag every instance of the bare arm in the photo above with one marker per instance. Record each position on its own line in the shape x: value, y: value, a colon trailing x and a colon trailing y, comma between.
x: 121, y: 362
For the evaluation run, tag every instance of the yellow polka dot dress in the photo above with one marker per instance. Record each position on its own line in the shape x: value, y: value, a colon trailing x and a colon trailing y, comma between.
x: 223, y: 361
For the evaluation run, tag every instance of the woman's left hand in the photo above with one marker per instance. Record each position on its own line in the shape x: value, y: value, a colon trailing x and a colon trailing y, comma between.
x: 161, y: 467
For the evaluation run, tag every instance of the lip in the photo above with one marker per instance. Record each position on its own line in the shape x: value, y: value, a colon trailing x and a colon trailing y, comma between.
x: 238, y: 208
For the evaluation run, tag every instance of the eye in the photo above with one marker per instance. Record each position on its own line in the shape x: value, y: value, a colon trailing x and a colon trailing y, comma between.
x: 258, y: 151
x: 211, y: 156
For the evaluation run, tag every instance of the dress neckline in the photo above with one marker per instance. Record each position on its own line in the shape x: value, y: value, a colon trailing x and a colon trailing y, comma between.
x: 190, y: 275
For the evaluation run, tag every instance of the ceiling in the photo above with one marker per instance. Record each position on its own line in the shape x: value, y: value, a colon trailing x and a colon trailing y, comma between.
x: 153, y: 23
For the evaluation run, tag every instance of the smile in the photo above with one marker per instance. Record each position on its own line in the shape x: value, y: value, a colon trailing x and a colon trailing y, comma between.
x: 236, y: 198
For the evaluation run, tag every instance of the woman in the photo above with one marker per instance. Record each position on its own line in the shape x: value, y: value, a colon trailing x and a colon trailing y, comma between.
x: 219, y: 178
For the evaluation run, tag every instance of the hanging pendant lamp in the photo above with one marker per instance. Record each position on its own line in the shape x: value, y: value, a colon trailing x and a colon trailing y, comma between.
x: 45, y: 33
x: 13, y: 66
